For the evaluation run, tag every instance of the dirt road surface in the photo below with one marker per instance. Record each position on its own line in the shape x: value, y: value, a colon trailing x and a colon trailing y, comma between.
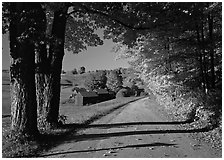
x: 136, y: 130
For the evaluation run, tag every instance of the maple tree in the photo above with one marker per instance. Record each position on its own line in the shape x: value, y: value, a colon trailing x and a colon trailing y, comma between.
x: 114, y: 81
x: 22, y: 69
x: 96, y: 80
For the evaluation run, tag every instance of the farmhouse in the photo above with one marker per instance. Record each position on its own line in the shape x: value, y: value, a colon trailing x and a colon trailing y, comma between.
x: 84, y: 97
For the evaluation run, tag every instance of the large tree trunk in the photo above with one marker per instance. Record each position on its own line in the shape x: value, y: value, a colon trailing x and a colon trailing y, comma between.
x: 22, y: 79
x: 48, y: 78
x: 210, y: 24
x: 57, y: 49
x: 43, y: 77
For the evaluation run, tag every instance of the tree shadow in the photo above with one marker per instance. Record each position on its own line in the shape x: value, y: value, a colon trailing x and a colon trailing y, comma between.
x: 100, y: 136
x: 120, y: 125
x: 156, y: 144
x: 72, y: 137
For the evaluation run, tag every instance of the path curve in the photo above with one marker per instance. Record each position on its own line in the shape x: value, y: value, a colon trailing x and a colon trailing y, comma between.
x: 137, y: 130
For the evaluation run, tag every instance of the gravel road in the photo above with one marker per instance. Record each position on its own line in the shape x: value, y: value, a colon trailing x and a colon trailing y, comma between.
x: 138, y: 130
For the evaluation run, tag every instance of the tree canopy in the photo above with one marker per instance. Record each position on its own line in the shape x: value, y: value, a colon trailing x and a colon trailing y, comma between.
x: 181, y: 61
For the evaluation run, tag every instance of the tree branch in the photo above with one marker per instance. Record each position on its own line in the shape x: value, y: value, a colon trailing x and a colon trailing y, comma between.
x: 113, y: 19
x: 92, y: 11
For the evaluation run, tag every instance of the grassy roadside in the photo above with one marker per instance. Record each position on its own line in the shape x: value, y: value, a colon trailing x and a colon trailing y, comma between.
x: 212, y: 137
x: 74, y: 116
x: 84, y: 114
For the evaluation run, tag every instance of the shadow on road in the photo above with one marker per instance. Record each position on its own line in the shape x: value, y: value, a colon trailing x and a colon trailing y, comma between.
x: 119, y: 125
x: 73, y: 137
x: 111, y: 148
x: 114, y: 125
x: 89, y: 137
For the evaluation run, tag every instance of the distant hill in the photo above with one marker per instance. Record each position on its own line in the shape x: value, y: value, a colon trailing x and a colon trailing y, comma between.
x: 75, y: 80
x: 5, y: 93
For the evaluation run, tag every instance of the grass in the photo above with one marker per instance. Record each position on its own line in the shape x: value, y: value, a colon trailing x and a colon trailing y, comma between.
x: 83, y: 114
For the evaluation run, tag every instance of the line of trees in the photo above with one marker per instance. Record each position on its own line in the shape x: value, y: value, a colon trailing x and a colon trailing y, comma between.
x: 102, y: 79
x: 181, y: 62
x: 37, y: 45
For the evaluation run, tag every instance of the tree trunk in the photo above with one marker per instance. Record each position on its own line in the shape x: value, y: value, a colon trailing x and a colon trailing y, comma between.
x: 201, y: 60
x: 43, y: 86
x: 204, y: 58
x: 210, y: 24
x: 22, y: 79
x: 48, y: 78
x: 57, y: 52
x: 42, y: 77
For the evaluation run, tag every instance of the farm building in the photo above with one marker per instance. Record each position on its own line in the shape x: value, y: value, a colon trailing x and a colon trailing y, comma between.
x: 76, y: 90
x: 65, y: 82
x: 84, y: 97
x: 103, y: 94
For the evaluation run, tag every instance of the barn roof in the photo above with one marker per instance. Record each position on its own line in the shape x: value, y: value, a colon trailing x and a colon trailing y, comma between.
x: 79, y: 89
x: 65, y: 82
x: 101, y: 91
x: 88, y: 94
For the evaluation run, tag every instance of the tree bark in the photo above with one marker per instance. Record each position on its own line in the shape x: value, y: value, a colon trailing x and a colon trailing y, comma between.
x: 204, y: 58
x: 22, y: 79
x: 48, y: 78
x: 201, y: 60
x: 210, y: 25
x: 57, y: 52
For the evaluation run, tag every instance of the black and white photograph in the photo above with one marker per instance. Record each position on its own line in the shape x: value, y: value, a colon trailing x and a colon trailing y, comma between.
x: 111, y: 79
